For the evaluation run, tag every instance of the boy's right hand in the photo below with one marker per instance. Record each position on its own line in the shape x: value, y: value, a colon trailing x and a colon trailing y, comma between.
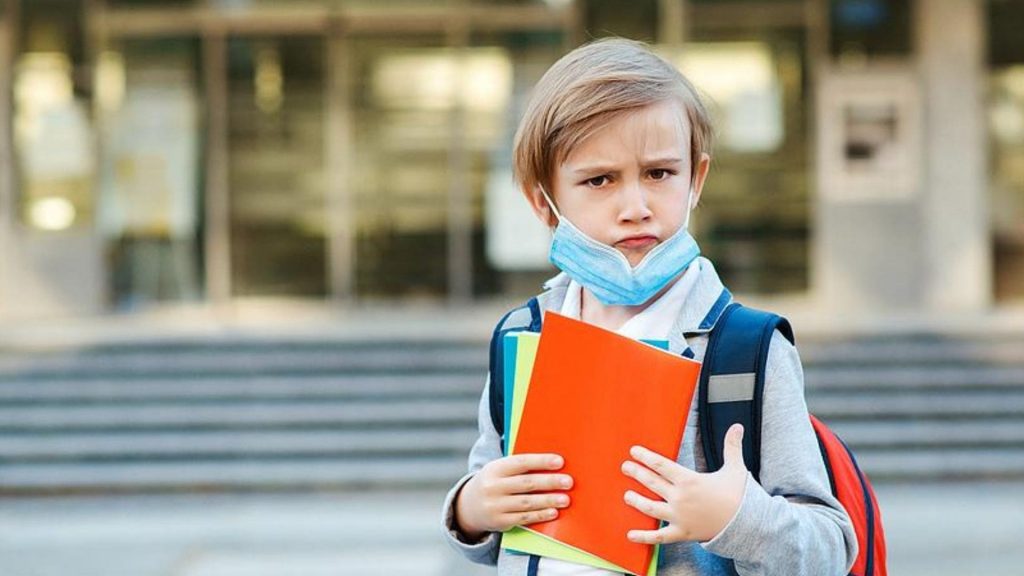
x: 507, y: 492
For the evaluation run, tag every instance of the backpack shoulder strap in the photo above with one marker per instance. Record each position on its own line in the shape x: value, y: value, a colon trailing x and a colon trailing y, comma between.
x: 731, y: 385
x: 526, y: 317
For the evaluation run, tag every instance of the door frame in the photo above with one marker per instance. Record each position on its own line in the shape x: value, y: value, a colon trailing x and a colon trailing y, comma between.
x: 8, y: 40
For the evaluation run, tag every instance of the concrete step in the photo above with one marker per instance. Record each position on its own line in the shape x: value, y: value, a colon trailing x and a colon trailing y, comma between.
x: 425, y: 471
x: 241, y: 388
x: 239, y: 344
x: 922, y: 350
x: 820, y: 382
x: 820, y: 379
x: 912, y: 434
x: 942, y: 464
x: 240, y: 415
x: 299, y: 473
x: 232, y: 445
x: 958, y: 404
x: 225, y: 357
x: 229, y: 445
x: 211, y: 362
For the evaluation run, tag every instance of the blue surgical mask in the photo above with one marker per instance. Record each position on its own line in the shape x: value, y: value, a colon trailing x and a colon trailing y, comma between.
x: 606, y: 272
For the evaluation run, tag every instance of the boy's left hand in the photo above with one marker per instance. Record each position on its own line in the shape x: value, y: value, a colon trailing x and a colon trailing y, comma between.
x: 696, y: 506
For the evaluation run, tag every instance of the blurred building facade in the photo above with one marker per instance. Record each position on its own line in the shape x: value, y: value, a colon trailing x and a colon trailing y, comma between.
x: 870, y: 153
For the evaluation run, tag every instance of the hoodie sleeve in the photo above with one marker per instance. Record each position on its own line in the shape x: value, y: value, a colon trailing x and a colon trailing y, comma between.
x: 789, y: 524
x: 486, y: 449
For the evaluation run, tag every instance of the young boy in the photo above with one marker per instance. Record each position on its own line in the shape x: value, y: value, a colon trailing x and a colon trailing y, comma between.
x: 613, y: 153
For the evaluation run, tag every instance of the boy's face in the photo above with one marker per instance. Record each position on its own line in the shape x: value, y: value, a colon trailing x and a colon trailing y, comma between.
x: 628, y: 184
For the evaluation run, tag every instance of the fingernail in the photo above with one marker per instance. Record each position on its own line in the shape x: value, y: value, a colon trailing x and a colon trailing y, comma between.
x: 562, y: 500
x: 567, y: 482
x: 556, y: 461
x: 627, y: 467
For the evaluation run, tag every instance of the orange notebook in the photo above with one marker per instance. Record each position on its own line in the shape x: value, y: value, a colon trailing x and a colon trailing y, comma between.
x: 593, y: 394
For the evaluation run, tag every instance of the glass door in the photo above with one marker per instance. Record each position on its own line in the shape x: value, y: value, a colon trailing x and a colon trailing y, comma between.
x: 753, y: 219
x: 403, y: 95
x: 276, y: 168
x: 149, y: 108
x: 510, y: 245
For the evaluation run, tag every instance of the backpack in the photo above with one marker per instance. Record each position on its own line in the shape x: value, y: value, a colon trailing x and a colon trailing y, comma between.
x: 730, y: 390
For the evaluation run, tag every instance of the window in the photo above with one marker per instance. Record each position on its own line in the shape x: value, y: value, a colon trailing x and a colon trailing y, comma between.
x: 403, y: 96
x: 1006, y: 150
x: 865, y: 29
x: 53, y: 134
x: 637, y: 19
x: 277, y: 181
x: 754, y: 215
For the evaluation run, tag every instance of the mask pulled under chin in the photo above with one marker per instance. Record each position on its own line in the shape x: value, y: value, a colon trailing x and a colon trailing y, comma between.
x: 606, y: 272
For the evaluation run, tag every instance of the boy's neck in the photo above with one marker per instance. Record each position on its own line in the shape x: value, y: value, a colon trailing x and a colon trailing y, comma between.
x: 592, y: 311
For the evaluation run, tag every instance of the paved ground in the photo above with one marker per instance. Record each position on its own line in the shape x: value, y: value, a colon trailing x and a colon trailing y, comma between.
x: 935, y: 530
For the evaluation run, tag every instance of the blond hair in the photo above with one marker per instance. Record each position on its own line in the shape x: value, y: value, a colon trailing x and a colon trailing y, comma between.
x: 585, y: 89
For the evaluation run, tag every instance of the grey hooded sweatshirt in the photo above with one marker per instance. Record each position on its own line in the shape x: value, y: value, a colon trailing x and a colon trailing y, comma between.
x: 789, y: 524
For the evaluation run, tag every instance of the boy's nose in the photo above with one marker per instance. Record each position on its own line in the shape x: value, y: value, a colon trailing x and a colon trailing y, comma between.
x: 634, y: 204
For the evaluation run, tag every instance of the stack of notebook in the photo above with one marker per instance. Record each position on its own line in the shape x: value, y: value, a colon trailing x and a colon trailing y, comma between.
x: 589, y: 395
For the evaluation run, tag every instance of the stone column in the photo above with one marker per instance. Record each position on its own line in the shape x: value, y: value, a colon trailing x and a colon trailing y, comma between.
x: 958, y: 255
x: 901, y: 217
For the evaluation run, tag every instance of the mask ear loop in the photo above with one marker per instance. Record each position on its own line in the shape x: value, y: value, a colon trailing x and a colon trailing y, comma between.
x: 689, y: 209
x: 551, y: 203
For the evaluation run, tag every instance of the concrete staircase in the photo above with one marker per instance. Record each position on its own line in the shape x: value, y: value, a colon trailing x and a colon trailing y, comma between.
x: 241, y: 415
x: 923, y: 407
x: 236, y: 415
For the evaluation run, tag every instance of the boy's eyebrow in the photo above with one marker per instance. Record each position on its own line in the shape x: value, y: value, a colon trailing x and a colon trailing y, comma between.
x: 601, y: 168
x: 662, y: 161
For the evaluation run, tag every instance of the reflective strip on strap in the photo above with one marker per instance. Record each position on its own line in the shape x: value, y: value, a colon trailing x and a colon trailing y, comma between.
x: 731, y: 388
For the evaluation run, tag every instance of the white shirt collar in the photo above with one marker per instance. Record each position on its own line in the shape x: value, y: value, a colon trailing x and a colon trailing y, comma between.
x: 654, y: 322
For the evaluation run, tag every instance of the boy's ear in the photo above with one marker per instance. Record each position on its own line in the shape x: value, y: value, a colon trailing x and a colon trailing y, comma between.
x: 540, y: 206
x: 700, y: 175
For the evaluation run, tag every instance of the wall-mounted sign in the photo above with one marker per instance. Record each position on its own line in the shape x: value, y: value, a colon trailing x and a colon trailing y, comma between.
x: 869, y: 145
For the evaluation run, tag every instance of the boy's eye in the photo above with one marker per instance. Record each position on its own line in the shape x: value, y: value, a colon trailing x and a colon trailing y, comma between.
x: 597, y: 181
x: 660, y: 174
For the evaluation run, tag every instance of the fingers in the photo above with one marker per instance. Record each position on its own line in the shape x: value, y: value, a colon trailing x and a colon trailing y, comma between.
x: 652, y: 508
x: 525, y: 509
x: 521, y: 503
x: 527, y: 518
x: 523, y: 463
x: 658, y: 484
x: 732, y: 452
x: 667, y: 469
x: 525, y: 483
x: 659, y: 536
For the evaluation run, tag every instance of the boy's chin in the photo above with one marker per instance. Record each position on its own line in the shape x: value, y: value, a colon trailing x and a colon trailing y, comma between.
x: 636, y: 256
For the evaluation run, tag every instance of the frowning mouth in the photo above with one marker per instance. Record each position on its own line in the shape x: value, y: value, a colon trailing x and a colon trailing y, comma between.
x: 640, y: 241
